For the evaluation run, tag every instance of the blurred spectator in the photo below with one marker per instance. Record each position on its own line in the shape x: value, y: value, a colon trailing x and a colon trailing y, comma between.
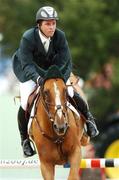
x: 102, y: 91
x: 103, y: 79
x: 90, y: 151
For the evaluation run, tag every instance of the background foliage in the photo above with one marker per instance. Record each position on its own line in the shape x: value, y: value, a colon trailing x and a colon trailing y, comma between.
x: 92, y: 30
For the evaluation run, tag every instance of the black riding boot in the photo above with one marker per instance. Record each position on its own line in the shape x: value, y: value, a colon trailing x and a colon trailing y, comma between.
x: 25, y: 142
x: 81, y: 105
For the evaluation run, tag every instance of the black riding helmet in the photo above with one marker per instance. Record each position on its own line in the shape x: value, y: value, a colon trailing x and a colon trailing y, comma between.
x: 46, y: 13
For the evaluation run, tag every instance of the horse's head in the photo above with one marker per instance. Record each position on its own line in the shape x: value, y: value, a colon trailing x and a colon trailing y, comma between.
x: 54, y: 96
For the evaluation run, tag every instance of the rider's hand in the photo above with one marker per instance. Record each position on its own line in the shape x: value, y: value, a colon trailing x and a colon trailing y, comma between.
x: 70, y: 89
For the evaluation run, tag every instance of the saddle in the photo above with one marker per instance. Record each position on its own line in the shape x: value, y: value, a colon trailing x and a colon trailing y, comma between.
x: 32, y: 97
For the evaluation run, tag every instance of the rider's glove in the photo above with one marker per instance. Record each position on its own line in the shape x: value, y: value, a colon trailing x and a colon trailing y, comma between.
x: 70, y: 88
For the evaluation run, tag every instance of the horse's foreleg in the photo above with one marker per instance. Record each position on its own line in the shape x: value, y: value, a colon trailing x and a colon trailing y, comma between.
x: 75, y: 160
x: 47, y: 171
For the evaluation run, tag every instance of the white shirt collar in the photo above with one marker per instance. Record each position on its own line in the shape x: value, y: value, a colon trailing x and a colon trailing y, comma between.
x: 43, y: 38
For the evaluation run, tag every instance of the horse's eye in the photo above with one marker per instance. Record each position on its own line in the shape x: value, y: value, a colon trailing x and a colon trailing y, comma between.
x: 46, y: 94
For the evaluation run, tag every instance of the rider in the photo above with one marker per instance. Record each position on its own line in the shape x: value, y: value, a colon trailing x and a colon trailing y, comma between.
x: 41, y: 47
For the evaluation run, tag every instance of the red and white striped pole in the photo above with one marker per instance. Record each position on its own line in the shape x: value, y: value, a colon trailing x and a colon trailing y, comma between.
x: 85, y: 163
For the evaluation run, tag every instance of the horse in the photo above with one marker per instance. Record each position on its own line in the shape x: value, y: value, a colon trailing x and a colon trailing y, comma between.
x: 56, y: 130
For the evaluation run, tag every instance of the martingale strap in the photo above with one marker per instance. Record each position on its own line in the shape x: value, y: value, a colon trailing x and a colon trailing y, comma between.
x: 56, y: 140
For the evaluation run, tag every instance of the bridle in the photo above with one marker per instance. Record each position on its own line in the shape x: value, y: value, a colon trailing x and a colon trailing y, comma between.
x: 51, y: 116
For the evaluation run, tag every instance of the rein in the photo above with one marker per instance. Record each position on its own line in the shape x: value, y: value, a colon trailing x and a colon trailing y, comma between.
x: 57, y: 139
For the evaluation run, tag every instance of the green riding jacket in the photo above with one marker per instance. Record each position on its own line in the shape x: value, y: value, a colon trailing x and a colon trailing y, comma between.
x: 31, y: 55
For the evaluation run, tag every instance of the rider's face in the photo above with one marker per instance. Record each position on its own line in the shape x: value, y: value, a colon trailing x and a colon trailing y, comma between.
x: 48, y: 27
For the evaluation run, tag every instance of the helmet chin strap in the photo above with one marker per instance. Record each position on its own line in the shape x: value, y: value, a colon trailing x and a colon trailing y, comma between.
x: 42, y: 32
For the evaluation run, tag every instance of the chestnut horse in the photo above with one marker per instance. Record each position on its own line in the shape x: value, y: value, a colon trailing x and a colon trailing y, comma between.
x: 56, y: 130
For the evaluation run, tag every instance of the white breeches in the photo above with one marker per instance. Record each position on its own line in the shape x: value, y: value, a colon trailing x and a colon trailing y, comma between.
x: 26, y: 89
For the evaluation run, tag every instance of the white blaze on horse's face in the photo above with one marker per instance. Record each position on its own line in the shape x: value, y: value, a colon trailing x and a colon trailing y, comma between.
x: 57, y: 100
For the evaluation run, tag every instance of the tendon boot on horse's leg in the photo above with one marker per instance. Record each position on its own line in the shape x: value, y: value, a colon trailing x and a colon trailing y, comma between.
x: 92, y: 130
x: 25, y: 142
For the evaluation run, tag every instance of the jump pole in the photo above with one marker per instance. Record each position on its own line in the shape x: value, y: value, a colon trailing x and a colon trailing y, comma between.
x: 85, y: 163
